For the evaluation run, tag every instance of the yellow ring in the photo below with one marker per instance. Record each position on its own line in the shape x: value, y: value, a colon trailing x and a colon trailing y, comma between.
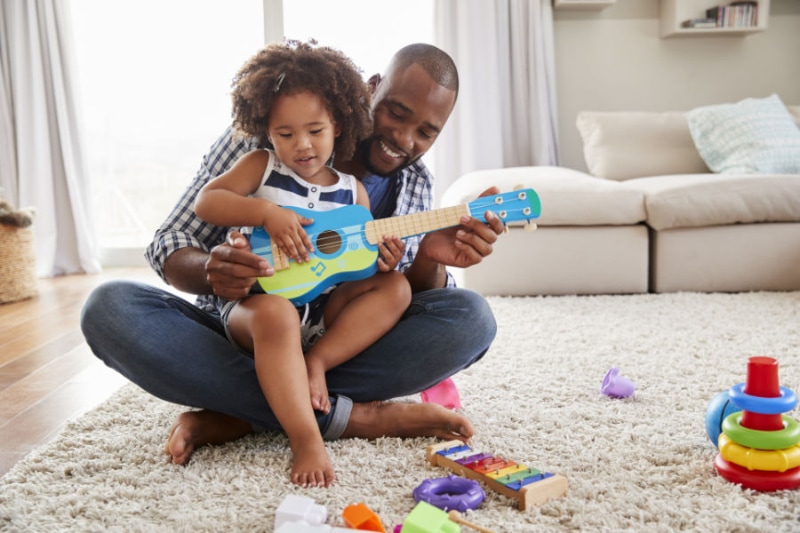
x: 755, y: 459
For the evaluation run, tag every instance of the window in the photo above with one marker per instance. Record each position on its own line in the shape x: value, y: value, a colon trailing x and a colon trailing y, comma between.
x: 367, y: 31
x: 154, y: 93
x: 154, y: 89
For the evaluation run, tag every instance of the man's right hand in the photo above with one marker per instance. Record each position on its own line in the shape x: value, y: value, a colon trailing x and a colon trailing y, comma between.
x: 232, y: 269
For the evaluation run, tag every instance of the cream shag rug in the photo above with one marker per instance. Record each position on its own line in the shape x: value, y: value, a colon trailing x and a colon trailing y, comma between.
x: 639, y: 464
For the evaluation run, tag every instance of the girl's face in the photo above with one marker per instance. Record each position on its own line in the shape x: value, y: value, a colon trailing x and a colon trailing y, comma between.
x: 302, y: 133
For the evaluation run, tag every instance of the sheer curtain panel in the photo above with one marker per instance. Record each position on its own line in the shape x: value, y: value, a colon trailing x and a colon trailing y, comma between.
x: 43, y: 165
x: 506, y: 110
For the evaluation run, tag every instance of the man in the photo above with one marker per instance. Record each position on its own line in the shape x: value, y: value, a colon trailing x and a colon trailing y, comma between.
x: 178, y: 351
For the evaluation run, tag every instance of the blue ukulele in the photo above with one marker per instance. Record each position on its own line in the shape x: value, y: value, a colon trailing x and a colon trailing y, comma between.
x: 346, y: 241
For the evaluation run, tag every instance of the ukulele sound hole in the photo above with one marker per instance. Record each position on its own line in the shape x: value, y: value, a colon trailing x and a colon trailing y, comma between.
x: 329, y: 242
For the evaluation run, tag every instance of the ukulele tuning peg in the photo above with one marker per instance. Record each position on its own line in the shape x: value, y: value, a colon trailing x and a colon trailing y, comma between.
x: 530, y: 226
x: 519, y: 187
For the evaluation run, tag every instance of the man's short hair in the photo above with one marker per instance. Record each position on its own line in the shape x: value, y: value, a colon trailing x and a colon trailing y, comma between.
x: 436, y: 62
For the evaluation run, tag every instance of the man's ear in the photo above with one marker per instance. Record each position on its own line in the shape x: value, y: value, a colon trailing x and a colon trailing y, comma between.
x: 373, y: 82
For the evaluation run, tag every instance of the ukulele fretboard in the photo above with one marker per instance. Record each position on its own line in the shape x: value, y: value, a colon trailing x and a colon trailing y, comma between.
x: 416, y: 224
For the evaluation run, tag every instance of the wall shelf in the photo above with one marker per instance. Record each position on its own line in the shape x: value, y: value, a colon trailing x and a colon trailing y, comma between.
x: 582, y: 5
x: 673, y: 12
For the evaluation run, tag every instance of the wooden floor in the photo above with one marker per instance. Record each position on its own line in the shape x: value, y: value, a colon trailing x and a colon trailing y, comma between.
x: 48, y: 375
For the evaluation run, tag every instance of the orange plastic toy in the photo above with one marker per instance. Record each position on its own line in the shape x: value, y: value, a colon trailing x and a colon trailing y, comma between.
x: 359, y: 516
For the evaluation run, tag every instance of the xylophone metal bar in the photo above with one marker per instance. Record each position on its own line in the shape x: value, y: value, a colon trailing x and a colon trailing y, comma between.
x: 534, y: 490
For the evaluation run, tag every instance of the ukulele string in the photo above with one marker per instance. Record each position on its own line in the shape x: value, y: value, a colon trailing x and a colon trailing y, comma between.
x: 479, y: 206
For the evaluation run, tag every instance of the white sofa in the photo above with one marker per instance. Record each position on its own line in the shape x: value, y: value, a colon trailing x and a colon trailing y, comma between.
x: 648, y: 217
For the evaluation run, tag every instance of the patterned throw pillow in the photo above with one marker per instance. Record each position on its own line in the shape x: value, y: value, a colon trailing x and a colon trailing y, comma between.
x: 754, y: 136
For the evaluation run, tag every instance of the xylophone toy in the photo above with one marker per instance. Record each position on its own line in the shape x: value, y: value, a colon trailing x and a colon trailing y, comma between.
x: 529, y: 486
x: 759, y: 447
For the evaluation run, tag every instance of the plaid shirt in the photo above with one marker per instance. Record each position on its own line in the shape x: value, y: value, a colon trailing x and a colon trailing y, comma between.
x: 182, y: 228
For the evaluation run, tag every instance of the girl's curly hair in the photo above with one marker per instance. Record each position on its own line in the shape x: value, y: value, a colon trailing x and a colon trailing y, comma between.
x: 292, y: 67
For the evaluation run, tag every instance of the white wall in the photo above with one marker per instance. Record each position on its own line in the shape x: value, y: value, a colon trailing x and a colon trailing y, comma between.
x: 614, y: 60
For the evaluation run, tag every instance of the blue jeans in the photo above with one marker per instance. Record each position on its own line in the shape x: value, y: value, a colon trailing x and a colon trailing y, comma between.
x: 179, y: 353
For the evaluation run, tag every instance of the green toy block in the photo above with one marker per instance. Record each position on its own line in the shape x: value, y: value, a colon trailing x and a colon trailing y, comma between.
x: 425, y: 518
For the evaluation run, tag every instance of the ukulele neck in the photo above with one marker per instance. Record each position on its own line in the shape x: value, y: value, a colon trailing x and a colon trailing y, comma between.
x: 416, y: 224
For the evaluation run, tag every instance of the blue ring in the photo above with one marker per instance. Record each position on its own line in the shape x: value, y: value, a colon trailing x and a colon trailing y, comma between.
x: 761, y: 405
x: 451, y: 492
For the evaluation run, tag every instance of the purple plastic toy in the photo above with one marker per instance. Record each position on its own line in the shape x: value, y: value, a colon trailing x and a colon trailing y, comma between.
x: 617, y: 386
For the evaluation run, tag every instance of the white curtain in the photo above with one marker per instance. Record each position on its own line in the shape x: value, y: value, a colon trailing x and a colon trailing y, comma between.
x: 506, y: 110
x: 43, y: 165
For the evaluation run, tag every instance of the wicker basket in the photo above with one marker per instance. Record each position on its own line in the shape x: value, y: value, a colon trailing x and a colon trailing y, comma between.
x: 17, y: 264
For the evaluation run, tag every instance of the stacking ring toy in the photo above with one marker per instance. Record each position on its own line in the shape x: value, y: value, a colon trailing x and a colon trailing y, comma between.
x: 763, y: 406
x: 763, y: 440
x: 757, y: 479
x: 451, y: 492
x: 755, y: 459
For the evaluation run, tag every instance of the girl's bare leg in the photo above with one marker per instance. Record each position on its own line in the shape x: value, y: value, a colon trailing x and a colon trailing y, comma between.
x: 356, y: 315
x: 269, y: 326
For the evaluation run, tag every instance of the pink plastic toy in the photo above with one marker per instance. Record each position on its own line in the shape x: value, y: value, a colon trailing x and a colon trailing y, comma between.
x: 444, y: 393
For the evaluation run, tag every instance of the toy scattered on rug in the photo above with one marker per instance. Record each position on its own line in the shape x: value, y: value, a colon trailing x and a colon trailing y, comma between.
x: 426, y: 518
x: 359, y: 516
x: 444, y: 393
x: 617, y: 386
x: 297, y: 510
x: 299, y: 514
x: 759, y: 446
x: 718, y: 409
x: 451, y: 492
x: 529, y: 486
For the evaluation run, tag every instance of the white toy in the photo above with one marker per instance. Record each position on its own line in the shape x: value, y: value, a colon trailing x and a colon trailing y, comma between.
x: 299, y: 514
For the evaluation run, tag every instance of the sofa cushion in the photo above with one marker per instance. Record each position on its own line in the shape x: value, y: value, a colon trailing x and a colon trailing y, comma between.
x: 755, y: 135
x: 624, y: 145
x: 569, y: 197
x: 698, y: 200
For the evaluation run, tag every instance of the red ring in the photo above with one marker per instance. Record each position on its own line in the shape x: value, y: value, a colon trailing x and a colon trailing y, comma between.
x: 761, y: 480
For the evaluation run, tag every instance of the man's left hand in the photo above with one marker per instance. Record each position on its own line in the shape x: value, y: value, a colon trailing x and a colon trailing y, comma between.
x: 467, y: 244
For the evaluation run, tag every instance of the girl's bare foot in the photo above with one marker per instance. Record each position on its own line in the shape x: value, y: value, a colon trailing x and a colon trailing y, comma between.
x: 194, y: 429
x: 318, y: 387
x: 311, y: 466
x: 397, y: 419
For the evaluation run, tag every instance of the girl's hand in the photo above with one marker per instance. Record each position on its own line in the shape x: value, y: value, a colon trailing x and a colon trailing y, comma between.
x: 391, y: 251
x: 285, y: 229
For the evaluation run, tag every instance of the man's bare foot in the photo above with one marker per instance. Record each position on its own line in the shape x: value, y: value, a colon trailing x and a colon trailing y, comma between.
x: 194, y: 429
x: 311, y: 466
x: 398, y: 419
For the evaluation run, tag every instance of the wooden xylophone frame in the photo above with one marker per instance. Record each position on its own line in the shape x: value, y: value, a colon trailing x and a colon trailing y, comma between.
x: 527, y: 495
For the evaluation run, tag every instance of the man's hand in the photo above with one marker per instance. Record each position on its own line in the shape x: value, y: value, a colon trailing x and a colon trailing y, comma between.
x: 462, y: 246
x: 231, y: 268
x: 467, y: 244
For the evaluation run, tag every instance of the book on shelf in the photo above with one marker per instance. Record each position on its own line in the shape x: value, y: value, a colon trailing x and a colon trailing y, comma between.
x: 735, y: 15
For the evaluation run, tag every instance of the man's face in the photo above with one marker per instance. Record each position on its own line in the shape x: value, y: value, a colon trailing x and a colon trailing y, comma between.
x: 409, y: 111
